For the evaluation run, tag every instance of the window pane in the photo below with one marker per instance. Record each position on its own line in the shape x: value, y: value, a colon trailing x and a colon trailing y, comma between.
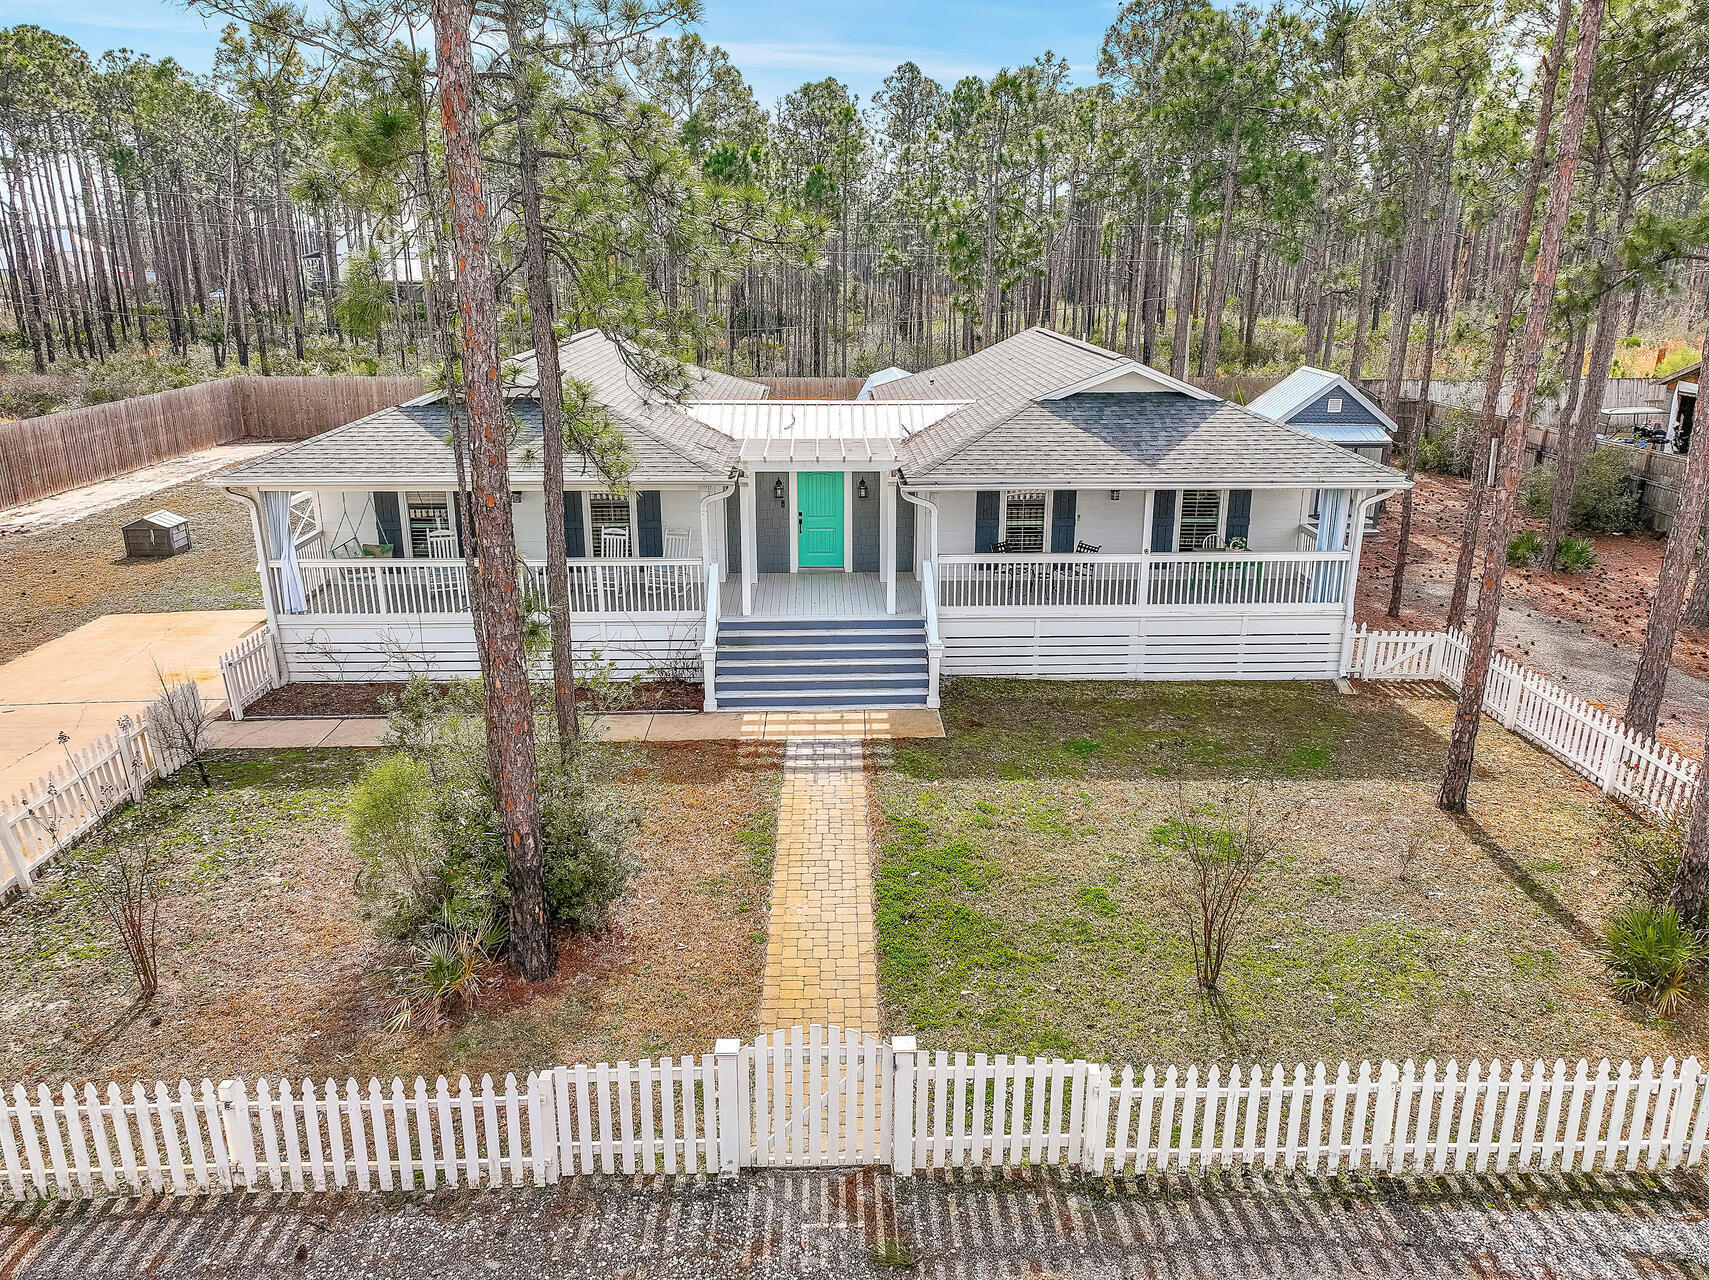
x: 607, y: 512
x: 1025, y: 515
x: 1200, y: 509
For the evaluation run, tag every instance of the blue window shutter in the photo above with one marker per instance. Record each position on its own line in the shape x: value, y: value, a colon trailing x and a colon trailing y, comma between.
x: 388, y: 522
x: 649, y: 524
x: 1062, y: 507
x: 1163, y: 521
x: 1239, y: 514
x: 985, y: 513
x: 575, y: 537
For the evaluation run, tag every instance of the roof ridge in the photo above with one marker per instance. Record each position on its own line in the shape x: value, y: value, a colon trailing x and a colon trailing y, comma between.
x: 1072, y: 341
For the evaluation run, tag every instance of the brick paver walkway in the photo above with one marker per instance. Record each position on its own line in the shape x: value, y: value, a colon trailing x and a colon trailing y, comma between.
x: 820, y: 963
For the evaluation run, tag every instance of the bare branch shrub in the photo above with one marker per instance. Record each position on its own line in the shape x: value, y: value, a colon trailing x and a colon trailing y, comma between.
x: 126, y: 872
x: 178, y: 724
x: 1226, y: 841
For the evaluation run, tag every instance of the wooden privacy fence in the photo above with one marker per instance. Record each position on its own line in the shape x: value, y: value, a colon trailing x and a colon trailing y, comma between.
x: 824, y: 1097
x: 1590, y: 741
x: 47, y: 455
x: 49, y: 816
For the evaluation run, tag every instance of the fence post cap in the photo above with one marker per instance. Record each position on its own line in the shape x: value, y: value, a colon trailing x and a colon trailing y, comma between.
x: 904, y: 1044
x: 727, y: 1046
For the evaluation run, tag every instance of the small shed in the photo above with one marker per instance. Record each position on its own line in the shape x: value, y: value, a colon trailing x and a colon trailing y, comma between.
x: 159, y: 533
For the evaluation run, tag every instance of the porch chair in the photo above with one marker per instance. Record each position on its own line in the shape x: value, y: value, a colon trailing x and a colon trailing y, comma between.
x: 676, y: 544
x: 441, y: 544
x: 614, y: 544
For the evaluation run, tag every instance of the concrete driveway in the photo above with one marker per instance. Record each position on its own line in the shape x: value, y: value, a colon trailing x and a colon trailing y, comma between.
x: 82, y: 682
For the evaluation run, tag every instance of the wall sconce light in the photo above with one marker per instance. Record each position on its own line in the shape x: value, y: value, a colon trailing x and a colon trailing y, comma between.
x: 1115, y: 495
x: 777, y: 491
x: 862, y: 489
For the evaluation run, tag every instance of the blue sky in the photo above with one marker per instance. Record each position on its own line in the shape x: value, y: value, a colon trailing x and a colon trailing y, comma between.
x: 777, y: 43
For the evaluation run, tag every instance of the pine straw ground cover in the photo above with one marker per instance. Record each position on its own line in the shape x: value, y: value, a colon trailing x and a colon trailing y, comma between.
x: 268, y: 967
x: 1024, y: 906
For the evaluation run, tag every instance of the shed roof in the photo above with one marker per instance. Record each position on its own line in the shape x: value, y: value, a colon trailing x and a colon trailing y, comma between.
x: 1304, y: 385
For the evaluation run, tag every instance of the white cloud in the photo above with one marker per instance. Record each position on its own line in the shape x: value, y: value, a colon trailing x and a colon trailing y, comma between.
x: 815, y: 61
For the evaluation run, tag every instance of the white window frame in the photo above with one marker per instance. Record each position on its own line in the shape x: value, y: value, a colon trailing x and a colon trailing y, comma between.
x: 1217, y: 536
x: 1044, y: 522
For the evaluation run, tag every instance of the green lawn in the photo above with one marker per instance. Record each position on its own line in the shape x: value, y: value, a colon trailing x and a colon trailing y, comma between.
x: 1027, y: 904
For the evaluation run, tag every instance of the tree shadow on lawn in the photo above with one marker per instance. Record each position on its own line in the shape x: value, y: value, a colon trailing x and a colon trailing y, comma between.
x: 1019, y: 729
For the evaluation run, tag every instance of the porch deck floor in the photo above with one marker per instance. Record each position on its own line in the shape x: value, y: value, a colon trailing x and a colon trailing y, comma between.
x: 821, y: 594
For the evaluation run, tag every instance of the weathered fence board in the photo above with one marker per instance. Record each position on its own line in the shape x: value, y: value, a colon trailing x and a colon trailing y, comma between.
x: 59, y: 451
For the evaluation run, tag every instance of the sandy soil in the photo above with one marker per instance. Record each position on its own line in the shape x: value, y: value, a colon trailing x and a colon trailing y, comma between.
x: 1584, y: 629
x: 54, y: 581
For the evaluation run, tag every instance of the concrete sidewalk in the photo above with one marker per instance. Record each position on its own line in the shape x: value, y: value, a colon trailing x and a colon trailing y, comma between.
x: 865, y: 1224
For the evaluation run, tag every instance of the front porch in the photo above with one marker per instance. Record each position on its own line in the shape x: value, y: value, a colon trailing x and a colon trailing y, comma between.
x: 832, y: 594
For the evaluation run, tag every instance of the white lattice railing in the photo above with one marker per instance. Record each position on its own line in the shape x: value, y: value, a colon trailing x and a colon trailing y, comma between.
x: 1592, y: 742
x: 1178, y: 580
x: 393, y: 588
x: 824, y: 1097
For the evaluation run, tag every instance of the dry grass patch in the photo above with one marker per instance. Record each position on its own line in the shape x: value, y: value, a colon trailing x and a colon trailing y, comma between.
x: 269, y: 968
x: 1024, y: 894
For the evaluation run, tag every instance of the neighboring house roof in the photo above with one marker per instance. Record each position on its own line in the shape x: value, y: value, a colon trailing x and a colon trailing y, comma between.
x: 1168, y: 440
x: 1300, y: 398
x: 879, y: 379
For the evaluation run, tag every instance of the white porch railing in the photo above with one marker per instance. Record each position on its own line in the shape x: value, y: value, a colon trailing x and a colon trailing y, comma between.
x: 390, y: 588
x: 709, y: 641
x: 1211, y: 579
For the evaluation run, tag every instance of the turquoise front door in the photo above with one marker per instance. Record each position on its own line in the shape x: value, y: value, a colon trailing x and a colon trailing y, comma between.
x: 819, y: 507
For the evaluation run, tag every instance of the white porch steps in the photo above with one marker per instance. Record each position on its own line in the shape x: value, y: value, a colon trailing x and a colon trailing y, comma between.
x: 776, y: 664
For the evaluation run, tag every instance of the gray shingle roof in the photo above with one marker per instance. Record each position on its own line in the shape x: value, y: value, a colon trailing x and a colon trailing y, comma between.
x: 406, y: 441
x: 405, y: 445
x: 1147, y: 438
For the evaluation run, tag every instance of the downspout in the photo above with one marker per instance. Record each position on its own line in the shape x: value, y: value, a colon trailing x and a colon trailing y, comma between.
x: 280, y: 656
x: 931, y: 510
x: 1357, y: 546
x: 706, y: 526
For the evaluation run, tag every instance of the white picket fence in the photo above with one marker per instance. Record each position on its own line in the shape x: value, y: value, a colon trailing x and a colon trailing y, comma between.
x: 249, y: 669
x: 1593, y: 743
x: 823, y: 1097
x: 47, y: 817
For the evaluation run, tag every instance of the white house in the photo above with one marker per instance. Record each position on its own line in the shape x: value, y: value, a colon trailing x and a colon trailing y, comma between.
x: 1043, y: 507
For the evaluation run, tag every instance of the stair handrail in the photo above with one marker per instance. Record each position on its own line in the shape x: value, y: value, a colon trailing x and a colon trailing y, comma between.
x: 934, y: 642
x: 709, y: 639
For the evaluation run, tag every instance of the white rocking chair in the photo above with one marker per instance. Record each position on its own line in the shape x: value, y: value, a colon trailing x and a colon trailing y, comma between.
x: 676, y: 544
x: 614, y: 544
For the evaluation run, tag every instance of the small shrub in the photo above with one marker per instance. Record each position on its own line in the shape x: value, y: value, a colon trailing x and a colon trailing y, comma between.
x: 1604, y: 499
x: 1647, y: 854
x: 1651, y: 953
x: 447, y: 969
x: 1537, y: 490
x: 1575, y: 555
x: 1525, y: 548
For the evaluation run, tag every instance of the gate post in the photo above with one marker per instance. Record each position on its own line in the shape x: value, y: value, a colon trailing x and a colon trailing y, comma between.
x: 903, y: 1050
x: 727, y: 1069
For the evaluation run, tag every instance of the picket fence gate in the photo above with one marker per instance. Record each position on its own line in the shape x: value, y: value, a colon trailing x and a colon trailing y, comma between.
x: 249, y: 669
x: 1591, y: 742
x: 829, y: 1098
x: 48, y: 817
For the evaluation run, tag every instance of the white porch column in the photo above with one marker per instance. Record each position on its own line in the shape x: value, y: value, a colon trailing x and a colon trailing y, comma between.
x: 887, y: 537
x: 750, y: 555
x: 793, y: 510
x: 848, y: 521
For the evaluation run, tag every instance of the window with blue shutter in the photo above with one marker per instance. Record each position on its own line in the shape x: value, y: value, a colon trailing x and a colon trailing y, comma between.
x: 987, y: 508
x: 649, y: 523
x: 1163, y: 520
x: 1239, y: 515
x: 1062, y: 508
x: 388, y: 522
x: 575, y: 536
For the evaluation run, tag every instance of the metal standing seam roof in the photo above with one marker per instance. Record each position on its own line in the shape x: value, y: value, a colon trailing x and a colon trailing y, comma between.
x: 1344, y: 432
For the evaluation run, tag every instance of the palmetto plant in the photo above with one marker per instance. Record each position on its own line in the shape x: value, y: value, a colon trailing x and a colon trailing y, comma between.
x: 448, y: 968
x: 1651, y: 954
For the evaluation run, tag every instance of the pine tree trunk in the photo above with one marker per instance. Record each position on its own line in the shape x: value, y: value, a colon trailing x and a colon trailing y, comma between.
x: 1184, y: 299
x: 1470, y: 535
x: 508, y: 697
x: 1689, y: 896
x: 1210, y: 346
x: 1457, y: 772
x: 548, y: 381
